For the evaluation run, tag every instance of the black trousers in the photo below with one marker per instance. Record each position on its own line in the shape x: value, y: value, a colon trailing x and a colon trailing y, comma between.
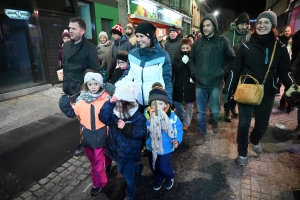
x: 262, y: 114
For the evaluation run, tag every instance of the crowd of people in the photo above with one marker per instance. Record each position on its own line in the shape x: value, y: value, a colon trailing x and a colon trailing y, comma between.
x: 145, y: 101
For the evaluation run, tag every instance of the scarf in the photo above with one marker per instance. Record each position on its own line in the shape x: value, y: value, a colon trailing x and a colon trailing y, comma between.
x: 88, y: 97
x: 159, y: 123
x: 264, y: 40
x: 131, y: 112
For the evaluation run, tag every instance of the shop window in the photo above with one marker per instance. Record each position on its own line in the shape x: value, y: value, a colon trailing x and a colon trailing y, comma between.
x: 84, y: 12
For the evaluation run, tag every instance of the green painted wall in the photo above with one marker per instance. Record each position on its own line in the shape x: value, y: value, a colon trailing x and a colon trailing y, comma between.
x: 107, y: 12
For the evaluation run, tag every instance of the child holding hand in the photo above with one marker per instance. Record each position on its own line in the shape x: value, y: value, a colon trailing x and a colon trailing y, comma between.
x: 165, y: 134
x: 127, y: 130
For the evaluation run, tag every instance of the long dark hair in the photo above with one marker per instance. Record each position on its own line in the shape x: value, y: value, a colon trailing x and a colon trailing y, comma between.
x: 126, y: 106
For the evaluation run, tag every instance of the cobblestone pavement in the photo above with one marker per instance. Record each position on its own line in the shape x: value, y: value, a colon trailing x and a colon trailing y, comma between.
x: 205, y: 172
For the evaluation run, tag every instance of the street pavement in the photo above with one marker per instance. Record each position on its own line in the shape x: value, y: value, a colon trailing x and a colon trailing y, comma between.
x: 202, y: 172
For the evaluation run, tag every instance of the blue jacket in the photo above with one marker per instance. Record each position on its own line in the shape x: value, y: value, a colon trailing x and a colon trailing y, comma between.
x: 167, y: 144
x: 147, y: 66
x: 123, y: 145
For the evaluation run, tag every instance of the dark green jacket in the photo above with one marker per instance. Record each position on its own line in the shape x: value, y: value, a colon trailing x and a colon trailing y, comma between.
x: 210, y: 58
x: 235, y: 37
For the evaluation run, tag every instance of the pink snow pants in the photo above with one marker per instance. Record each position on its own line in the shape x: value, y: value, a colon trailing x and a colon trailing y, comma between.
x: 98, y: 161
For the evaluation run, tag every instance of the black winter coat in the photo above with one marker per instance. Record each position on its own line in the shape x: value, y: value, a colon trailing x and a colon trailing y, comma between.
x: 253, y: 59
x: 76, y: 59
x: 173, y: 48
x: 295, y: 46
x: 183, y: 89
x: 124, y: 145
x: 296, y: 69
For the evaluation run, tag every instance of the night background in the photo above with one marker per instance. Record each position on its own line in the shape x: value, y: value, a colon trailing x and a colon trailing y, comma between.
x: 252, y: 7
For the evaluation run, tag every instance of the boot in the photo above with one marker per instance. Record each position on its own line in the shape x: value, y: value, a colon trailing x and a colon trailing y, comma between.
x: 201, y: 139
x: 234, y: 114
x: 227, y: 117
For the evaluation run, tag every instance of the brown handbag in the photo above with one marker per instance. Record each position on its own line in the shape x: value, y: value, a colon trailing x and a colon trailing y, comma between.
x: 252, y: 94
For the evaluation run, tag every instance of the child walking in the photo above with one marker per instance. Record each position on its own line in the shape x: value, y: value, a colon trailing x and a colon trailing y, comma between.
x: 165, y: 134
x: 126, y: 132
x: 93, y: 131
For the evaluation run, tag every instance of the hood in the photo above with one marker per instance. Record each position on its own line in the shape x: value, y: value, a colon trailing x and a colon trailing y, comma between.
x: 213, y: 19
x: 233, y: 27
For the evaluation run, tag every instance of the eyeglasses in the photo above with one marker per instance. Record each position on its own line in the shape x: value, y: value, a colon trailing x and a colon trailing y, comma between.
x: 260, y: 23
x: 120, y: 62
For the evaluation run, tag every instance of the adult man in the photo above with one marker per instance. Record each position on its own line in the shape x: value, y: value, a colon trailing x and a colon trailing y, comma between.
x: 130, y: 34
x: 121, y: 43
x: 78, y: 56
x: 210, y: 60
x: 237, y: 34
x: 172, y: 45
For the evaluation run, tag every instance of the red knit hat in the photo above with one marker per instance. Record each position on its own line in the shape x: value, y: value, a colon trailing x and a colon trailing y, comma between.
x: 117, y: 29
x: 65, y: 34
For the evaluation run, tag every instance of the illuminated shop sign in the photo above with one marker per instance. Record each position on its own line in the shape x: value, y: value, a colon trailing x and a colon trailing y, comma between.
x: 17, y: 14
x: 151, y: 10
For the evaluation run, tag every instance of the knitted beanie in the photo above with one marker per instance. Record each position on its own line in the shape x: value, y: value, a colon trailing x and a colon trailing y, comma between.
x: 117, y: 29
x: 126, y: 92
x: 129, y: 26
x: 157, y: 93
x: 65, y: 34
x: 122, y: 55
x: 242, y: 18
x: 147, y: 29
x: 269, y: 15
x: 103, y: 33
x: 191, y: 35
x: 93, y: 76
x: 173, y: 28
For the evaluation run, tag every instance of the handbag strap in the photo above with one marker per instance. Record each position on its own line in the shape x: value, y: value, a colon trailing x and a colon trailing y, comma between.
x: 274, y: 49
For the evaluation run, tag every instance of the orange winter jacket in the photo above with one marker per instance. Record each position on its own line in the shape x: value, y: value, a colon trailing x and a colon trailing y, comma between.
x: 81, y: 108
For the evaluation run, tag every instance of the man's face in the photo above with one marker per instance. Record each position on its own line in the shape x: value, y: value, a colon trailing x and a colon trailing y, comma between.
x: 243, y: 27
x: 128, y: 31
x: 173, y: 34
x: 208, y: 28
x: 76, y: 32
x: 115, y: 36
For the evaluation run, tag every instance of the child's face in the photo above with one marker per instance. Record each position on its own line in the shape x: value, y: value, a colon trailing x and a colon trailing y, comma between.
x: 66, y: 39
x: 186, y: 47
x: 122, y: 64
x: 160, y: 104
x: 93, y: 86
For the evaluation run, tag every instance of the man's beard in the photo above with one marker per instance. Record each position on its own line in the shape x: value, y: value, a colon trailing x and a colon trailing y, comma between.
x: 129, y: 34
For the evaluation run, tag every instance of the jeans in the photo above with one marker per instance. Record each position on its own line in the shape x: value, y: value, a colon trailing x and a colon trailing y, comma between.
x: 128, y: 170
x: 163, y: 169
x: 184, y: 115
x: 98, y: 161
x: 262, y: 114
x: 210, y: 97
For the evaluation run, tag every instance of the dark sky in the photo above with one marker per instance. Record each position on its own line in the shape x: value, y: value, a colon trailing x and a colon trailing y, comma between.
x: 252, y: 7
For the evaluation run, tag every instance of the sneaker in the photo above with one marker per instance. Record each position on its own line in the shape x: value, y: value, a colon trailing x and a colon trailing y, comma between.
x: 79, y: 151
x: 129, y: 198
x: 257, y: 148
x: 95, y: 191
x: 139, y: 173
x: 241, y: 160
x: 215, y: 128
x: 201, y: 139
x: 156, y: 186
x: 185, y: 128
x: 144, y: 152
x: 169, y: 183
x: 282, y: 108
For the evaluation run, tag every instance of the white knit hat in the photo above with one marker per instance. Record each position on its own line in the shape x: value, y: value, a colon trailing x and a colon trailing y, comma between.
x: 93, y: 76
x: 103, y: 33
x: 127, y: 92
